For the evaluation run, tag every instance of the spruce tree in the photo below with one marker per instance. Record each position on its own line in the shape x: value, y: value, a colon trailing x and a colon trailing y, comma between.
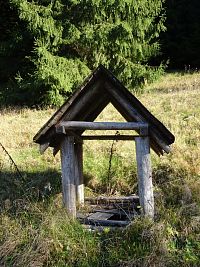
x: 72, y: 37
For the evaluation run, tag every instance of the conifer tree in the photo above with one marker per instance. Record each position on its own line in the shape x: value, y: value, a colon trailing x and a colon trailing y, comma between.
x: 72, y: 37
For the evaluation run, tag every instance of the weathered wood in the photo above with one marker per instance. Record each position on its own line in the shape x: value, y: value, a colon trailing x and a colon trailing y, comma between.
x: 83, y: 125
x: 68, y: 175
x: 130, y: 113
x: 78, y: 148
x: 67, y: 107
x: 77, y: 137
x: 62, y: 130
x: 144, y: 176
x: 109, y: 137
x: 106, y: 222
x: 100, y: 216
x: 43, y: 147
x: 120, y: 212
x: 86, y: 103
x: 122, y: 105
x: 105, y: 199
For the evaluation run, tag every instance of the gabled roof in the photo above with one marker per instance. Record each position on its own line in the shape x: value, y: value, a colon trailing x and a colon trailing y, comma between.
x: 87, y: 102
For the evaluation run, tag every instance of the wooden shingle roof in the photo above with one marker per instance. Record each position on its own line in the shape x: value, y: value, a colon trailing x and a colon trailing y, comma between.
x: 87, y: 102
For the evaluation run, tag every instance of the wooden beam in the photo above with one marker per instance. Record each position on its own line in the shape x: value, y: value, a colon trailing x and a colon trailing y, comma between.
x: 78, y: 148
x: 62, y: 130
x: 106, y: 222
x: 83, y: 125
x: 67, y: 111
x: 131, y: 113
x: 109, y: 137
x: 43, y: 147
x: 100, y: 216
x: 68, y: 175
x: 144, y: 176
x: 105, y: 199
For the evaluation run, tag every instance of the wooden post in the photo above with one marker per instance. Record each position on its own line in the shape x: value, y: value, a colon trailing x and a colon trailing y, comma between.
x: 144, y: 176
x: 79, y: 173
x: 68, y: 175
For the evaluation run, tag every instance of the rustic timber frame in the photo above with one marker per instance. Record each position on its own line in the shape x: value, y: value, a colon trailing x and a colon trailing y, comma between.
x: 64, y: 132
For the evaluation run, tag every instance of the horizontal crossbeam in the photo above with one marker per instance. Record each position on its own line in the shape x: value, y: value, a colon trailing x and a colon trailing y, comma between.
x: 109, y: 137
x: 83, y: 125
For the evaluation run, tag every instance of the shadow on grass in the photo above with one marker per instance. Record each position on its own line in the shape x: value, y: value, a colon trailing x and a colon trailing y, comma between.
x: 35, y: 186
x: 175, y: 186
x: 171, y: 184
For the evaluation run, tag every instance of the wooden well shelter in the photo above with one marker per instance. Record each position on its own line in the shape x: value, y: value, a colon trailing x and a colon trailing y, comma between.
x: 64, y: 131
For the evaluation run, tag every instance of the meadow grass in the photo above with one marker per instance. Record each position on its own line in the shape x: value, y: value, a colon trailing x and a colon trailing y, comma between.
x: 35, y: 230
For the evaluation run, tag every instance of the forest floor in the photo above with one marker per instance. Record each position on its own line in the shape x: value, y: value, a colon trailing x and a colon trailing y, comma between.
x: 35, y: 229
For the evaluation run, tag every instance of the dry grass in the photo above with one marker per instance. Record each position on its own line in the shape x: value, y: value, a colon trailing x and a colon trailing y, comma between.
x: 40, y: 233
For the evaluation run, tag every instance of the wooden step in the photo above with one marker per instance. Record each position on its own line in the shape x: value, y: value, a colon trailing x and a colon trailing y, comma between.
x: 100, y: 216
x: 106, y: 222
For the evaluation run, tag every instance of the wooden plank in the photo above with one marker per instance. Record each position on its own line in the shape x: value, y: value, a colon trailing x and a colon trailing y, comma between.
x: 85, y: 125
x: 131, y: 113
x: 68, y: 175
x: 100, y: 216
x: 109, y: 206
x: 106, y: 222
x: 78, y: 148
x: 115, y: 211
x: 144, y: 176
x: 120, y: 212
x: 119, y: 101
x: 103, y: 199
x: 87, y: 104
x: 109, y: 137
x: 66, y: 107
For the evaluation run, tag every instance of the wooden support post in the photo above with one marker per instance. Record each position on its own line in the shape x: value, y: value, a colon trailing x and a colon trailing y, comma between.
x: 144, y: 176
x: 78, y: 148
x: 68, y: 175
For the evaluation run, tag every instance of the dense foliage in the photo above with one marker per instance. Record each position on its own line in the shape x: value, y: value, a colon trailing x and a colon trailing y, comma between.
x: 57, y: 43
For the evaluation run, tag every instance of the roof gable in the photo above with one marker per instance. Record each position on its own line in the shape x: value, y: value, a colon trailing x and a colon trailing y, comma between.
x: 87, y: 102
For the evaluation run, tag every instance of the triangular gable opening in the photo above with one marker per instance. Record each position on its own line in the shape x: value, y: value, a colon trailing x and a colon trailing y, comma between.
x: 109, y: 114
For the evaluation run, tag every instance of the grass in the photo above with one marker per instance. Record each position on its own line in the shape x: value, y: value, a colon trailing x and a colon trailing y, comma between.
x: 36, y: 231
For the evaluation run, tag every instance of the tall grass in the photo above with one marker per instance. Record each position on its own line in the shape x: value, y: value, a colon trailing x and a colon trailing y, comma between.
x: 35, y: 230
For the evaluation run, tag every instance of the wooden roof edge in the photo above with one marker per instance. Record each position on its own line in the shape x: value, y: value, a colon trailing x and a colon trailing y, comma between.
x: 57, y: 116
x: 59, y: 113
x: 142, y: 109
